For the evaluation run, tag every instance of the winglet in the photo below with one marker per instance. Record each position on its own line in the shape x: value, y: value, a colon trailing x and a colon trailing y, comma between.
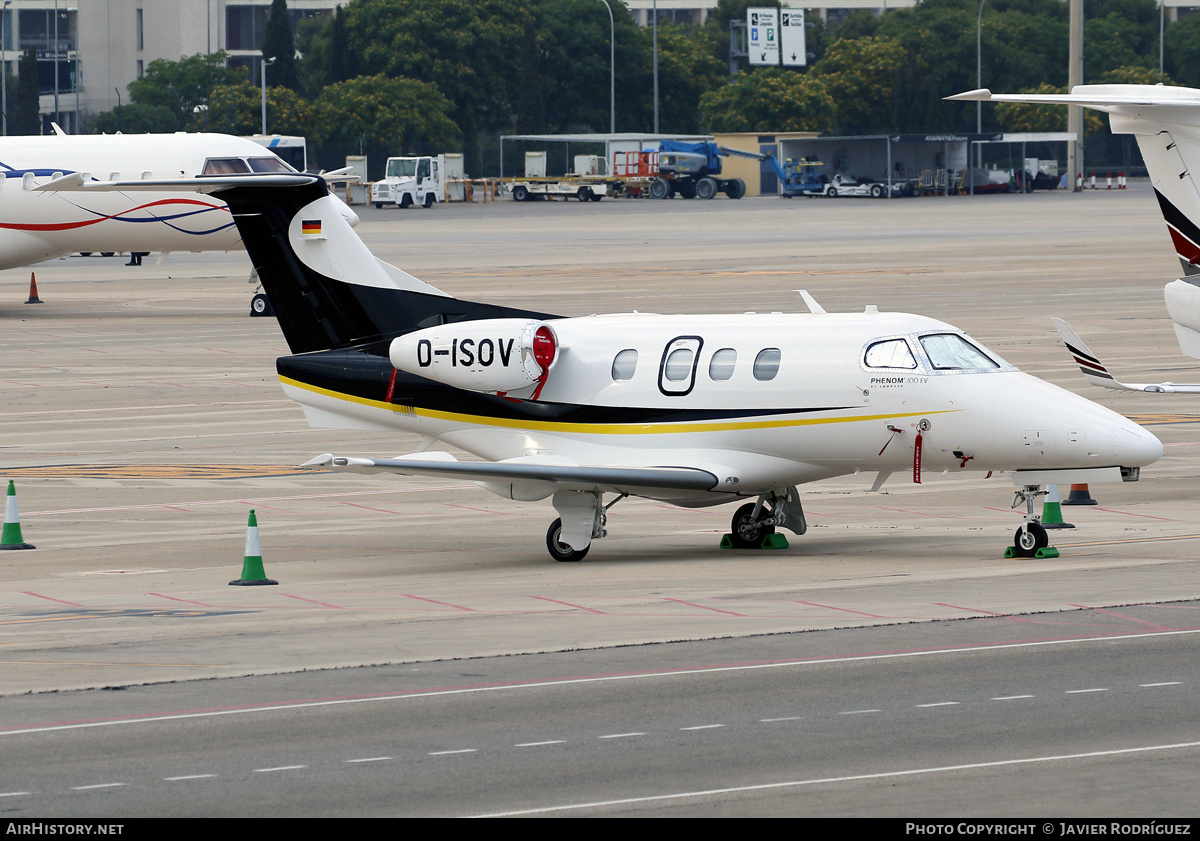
x: 1093, y: 369
x: 978, y: 95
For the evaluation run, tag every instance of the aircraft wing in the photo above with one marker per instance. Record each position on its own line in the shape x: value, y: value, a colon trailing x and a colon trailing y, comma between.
x: 563, y: 476
x: 1099, y: 97
x: 1096, y: 374
x: 74, y: 182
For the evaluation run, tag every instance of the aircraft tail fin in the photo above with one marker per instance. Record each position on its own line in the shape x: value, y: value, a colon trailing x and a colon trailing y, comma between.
x: 1096, y: 374
x: 327, y: 288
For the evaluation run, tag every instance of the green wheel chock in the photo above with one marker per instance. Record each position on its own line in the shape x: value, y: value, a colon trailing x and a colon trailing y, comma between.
x: 1046, y: 552
x: 727, y: 541
x: 1011, y: 552
x: 774, y: 541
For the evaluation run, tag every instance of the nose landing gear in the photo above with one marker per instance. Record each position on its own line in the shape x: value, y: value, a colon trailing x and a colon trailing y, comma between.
x: 1031, y: 540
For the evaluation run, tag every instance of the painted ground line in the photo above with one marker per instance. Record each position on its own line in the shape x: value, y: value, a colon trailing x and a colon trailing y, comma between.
x: 882, y: 775
x: 279, y: 768
x: 785, y: 718
x: 97, y: 785
x: 574, y: 681
x: 620, y: 735
x: 1011, y: 697
x: 450, y: 752
x: 369, y: 759
x: 541, y: 744
x: 1164, y: 683
x: 859, y: 712
x: 703, y: 727
x: 939, y: 704
x: 189, y: 777
x: 1083, y: 691
x: 15, y: 793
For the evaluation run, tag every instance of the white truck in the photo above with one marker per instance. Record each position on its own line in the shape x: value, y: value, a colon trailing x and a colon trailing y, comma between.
x: 409, y: 181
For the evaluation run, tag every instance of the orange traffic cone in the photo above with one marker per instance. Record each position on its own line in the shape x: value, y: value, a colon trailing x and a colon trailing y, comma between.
x: 1079, y: 496
x: 33, y: 298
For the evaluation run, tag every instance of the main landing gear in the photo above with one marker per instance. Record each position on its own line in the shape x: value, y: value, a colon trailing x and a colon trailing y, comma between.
x: 582, y: 519
x: 754, y: 524
x: 1031, y: 539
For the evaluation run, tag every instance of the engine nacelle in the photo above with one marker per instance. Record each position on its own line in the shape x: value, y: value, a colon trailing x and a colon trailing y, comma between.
x: 492, y: 355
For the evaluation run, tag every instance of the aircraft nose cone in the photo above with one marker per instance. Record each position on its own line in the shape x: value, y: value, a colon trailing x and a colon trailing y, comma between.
x: 1136, y: 447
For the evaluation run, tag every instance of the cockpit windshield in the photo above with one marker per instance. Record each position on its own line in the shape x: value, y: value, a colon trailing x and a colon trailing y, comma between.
x: 402, y: 168
x: 951, y: 352
x: 239, y: 166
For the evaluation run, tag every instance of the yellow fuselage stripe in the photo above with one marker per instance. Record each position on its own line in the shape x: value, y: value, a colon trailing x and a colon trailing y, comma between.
x: 599, y: 428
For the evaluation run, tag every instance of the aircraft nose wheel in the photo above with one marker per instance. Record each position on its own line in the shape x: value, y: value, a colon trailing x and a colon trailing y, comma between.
x: 560, y: 551
x: 1029, y: 539
x: 745, y: 532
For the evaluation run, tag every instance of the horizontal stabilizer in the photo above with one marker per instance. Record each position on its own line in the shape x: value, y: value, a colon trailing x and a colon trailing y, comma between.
x: 565, y: 475
x: 1096, y: 374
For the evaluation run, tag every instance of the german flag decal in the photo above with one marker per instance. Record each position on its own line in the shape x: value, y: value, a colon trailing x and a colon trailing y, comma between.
x: 310, y: 227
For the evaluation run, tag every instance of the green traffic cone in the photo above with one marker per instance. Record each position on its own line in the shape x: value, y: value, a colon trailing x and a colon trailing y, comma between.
x: 11, y: 537
x: 253, y: 573
x: 1052, y: 510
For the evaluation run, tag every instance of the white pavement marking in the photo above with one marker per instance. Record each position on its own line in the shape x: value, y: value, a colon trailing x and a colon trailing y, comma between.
x: 620, y: 735
x: 189, y: 777
x: 853, y: 778
x: 97, y: 785
x: 858, y: 712
x: 1011, y: 697
x: 939, y: 704
x: 785, y: 718
x: 1164, y: 683
x: 370, y: 759
x: 449, y: 752
x: 14, y: 793
x: 703, y: 727
x: 539, y: 744
x: 280, y: 768
x: 1082, y: 691
x: 539, y: 684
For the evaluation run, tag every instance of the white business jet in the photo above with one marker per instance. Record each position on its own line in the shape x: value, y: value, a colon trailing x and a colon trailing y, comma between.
x: 690, y: 410
x: 36, y: 226
x: 1166, y: 123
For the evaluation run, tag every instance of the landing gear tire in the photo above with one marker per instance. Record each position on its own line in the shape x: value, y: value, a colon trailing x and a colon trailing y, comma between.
x: 260, y: 305
x: 706, y: 188
x: 660, y: 189
x: 560, y: 551
x: 520, y: 193
x: 1029, y: 539
x: 744, y: 532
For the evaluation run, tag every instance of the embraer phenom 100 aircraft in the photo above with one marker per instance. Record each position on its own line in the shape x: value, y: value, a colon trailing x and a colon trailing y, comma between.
x: 690, y: 410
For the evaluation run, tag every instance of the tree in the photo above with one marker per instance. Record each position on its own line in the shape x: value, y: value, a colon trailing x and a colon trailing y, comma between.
x: 770, y: 100
x: 531, y: 110
x: 862, y: 76
x: 237, y: 109
x: 382, y: 117
x: 279, y: 43
x: 179, y: 86
x: 134, y: 119
x: 26, y: 116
